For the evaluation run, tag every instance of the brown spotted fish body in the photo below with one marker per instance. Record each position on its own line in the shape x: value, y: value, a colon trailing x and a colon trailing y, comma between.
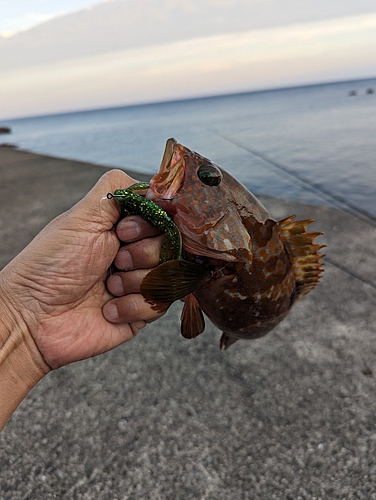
x: 246, y: 269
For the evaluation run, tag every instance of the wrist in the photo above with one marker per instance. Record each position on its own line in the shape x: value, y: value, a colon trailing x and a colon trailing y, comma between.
x: 21, y: 364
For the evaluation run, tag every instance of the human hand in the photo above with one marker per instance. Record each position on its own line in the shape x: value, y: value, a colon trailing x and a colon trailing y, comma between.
x: 56, y: 287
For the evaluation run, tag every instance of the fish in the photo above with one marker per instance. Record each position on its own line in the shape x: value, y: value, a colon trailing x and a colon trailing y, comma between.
x: 242, y: 268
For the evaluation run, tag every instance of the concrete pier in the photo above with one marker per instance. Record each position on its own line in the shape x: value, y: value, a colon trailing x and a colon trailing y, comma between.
x: 288, y: 416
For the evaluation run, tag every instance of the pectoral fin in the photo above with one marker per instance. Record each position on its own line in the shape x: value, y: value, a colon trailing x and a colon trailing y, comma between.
x: 192, y: 319
x: 171, y: 281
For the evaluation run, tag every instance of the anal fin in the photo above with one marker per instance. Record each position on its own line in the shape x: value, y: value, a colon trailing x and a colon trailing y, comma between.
x: 192, y: 319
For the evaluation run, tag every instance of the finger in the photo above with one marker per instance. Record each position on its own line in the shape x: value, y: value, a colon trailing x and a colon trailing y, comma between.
x: 129, y: 309
x: 119, y: 284
x: 134, y: 227
x: 124, y: 333
x: 142, y: 254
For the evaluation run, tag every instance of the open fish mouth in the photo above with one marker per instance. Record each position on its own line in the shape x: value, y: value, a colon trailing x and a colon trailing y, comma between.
x: 165, y: 184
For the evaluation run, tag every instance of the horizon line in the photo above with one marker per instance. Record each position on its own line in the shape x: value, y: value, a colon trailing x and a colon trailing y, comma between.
x: 186, y: 99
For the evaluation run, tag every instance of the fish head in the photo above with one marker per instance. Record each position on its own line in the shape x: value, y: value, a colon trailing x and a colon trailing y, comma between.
x: 208, y: 205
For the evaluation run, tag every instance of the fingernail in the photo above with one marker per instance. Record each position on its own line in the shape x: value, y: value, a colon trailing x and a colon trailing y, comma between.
x: 124, y: 260
x: 111, y: 312
x: 117, y: 287
x: 129, y: 229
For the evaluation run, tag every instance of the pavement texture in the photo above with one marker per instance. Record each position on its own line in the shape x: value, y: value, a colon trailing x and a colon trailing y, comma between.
x: 289, y: 416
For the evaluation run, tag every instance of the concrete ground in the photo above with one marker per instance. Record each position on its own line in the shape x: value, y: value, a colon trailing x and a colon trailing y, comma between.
x: 289, y: 416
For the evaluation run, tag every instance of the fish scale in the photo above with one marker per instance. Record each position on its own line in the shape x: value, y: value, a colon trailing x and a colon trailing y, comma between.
x: 242, y: 268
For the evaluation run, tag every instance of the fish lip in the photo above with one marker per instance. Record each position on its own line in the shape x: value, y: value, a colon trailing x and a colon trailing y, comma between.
x: 165, y: 184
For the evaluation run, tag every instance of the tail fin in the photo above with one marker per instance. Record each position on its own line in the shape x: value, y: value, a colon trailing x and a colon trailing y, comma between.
x: 306, y: 259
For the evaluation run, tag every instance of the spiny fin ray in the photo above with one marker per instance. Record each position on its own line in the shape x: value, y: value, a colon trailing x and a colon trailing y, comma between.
x: 306, y: 259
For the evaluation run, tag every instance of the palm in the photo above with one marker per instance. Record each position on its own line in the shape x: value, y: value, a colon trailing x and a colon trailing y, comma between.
x: 66, y: 268
x: 72, y: 326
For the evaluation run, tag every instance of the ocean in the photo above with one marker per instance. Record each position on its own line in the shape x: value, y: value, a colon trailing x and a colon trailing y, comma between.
x: 315, y: 144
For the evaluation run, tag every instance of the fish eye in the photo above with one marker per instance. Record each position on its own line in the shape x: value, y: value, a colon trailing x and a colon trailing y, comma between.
x: 209, y: 175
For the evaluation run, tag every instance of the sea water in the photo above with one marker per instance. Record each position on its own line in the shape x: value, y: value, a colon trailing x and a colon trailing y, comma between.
x: 315, y: 144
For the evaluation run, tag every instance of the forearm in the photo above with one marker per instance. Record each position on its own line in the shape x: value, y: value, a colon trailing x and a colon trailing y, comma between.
x: 21, y: 364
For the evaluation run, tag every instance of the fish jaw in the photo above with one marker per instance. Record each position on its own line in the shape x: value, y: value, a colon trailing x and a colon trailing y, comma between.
x: 165, y: 184
x: 201, y: 215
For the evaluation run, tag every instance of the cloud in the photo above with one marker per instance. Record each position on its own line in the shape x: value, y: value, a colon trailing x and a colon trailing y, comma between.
x: 19, y: 24
x: 118, y: 25
x: 22, y: 15
x: 296, y: 54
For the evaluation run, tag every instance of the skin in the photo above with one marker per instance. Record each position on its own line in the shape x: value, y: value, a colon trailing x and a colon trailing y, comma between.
x: 58, y: 304
x: 258, y: 267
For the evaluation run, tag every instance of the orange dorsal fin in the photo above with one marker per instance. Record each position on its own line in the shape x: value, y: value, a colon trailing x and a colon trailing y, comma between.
x: 305, y: 254
x: 192, y: 319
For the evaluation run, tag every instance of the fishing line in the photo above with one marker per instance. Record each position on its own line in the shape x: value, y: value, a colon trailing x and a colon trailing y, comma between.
x: 325, y: 194
x: 350, y: 273
x: 102, y: 203
x: 337, y: 200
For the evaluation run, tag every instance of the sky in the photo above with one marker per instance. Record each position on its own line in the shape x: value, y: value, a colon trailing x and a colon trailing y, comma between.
x: 20, y: 15
x: 66, y: 55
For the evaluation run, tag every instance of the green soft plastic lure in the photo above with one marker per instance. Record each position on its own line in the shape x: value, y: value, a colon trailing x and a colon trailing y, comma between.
x: 180, y: 276
x: 134, y: 204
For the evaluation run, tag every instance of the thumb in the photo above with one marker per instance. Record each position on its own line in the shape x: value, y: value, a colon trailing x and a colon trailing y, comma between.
x: 95, y: 207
